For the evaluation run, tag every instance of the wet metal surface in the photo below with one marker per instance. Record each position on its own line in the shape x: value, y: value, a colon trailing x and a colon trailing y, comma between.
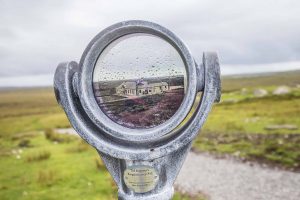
x: 164, y: 146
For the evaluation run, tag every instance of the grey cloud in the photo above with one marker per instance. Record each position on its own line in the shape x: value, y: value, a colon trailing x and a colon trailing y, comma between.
x: 36, y: 35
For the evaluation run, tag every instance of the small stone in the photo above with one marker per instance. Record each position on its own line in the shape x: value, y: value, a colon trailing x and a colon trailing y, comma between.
x: 282, y: 90
x: 280, y: 142
x: 237, y: 153
x: 286, y: 136
x: 260, y: 93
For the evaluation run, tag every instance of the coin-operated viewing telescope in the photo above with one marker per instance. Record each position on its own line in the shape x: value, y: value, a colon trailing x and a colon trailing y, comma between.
x: 139, y: 98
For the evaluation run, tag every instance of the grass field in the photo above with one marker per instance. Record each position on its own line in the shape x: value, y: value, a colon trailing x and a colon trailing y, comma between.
x: 239, y: 124
x: 35, y: 165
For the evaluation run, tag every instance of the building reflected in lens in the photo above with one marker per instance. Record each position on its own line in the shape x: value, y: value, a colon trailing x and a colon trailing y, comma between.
x: 139, y: 81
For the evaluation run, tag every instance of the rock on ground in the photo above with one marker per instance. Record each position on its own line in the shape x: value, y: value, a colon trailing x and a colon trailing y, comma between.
x: 260, y: 93
x: 67, y: 131
x: 281, y: 90
x: 223, y: 179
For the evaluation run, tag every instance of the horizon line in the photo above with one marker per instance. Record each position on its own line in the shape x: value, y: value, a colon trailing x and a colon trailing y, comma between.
x: 46, y: 80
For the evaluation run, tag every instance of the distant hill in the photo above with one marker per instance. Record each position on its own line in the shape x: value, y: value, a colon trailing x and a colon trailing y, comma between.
x: 29, y: 88
x: 236, y: 82
x: 231, y: 82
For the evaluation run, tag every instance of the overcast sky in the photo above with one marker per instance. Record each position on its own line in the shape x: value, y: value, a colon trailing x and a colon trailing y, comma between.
x: 138, y: 56
x: 249, y: 36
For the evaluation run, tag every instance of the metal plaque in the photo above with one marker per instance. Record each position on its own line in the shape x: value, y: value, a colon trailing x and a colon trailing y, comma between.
x: 140, y: 178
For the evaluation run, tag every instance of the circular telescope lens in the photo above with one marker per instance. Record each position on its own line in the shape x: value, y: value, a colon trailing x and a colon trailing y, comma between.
x: 139, y: 81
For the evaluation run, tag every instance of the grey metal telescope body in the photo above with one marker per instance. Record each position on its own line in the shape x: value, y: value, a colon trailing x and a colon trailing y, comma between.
x: 155, y: 154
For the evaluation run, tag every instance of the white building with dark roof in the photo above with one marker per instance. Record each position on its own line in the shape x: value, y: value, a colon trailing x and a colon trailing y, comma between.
x: 140, y: 88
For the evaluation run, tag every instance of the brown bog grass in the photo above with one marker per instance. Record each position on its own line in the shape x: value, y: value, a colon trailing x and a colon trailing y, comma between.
x: 38, y: 156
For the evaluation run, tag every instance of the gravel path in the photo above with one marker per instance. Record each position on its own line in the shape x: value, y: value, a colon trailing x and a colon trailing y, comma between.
x: 228, y: 179
x: 223, y: 179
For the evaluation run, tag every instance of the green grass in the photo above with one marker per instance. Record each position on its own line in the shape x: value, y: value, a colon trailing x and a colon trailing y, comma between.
x: 37, y: 163
x: 252, y: 115
x: 233, y: 83
x: 38, y: 156
x: 29, y: 109
x: 38, y: 166
x: 275, y: 149
x: 179, y: 196
x: 60, y: 176
x: 238, y: 124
